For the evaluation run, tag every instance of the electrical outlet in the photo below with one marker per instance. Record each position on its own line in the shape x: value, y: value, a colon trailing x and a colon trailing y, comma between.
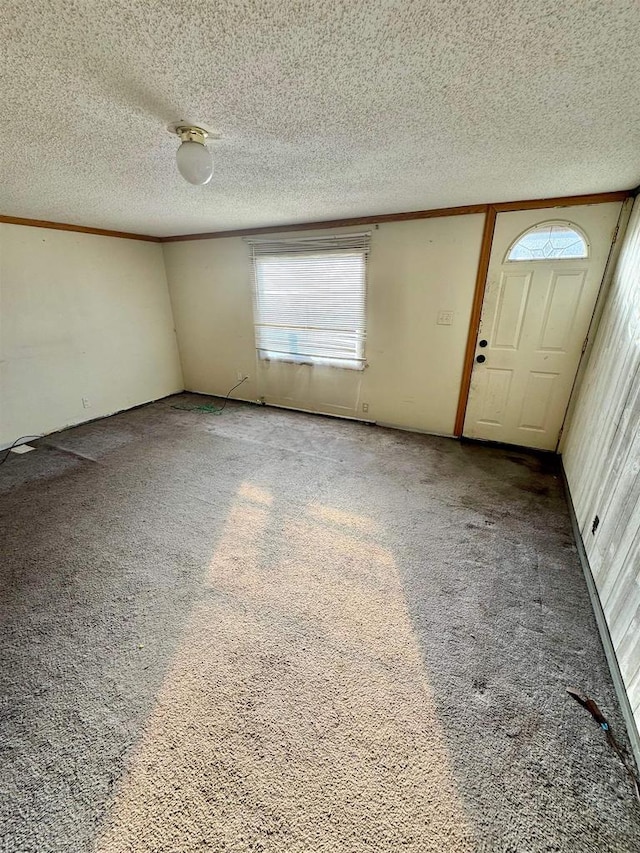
x: 86, y: 403
x: 445, y: 318
x: 365, y: 407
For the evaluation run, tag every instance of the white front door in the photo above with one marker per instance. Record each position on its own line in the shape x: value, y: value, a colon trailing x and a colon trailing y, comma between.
x: 535, y: 317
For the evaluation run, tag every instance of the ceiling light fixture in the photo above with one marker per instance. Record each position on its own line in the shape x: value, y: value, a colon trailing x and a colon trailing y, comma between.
x: 193, y: 157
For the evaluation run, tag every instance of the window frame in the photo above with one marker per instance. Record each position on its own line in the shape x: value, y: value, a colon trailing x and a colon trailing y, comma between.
x: 564, y: 222
x: 334, y: 244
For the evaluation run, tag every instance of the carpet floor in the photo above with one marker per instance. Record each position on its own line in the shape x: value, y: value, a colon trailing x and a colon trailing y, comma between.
x: 271, y: 631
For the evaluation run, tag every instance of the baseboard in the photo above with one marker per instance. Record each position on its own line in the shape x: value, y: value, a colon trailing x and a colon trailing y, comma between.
x: 603, y: 628
x: 25, y: 439
x: 335, y: 415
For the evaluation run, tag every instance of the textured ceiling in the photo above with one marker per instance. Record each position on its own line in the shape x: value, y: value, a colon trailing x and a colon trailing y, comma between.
x: 327, y: 109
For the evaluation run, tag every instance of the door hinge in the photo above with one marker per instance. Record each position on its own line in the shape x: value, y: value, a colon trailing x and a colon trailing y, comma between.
x: 584, y: 345
x: 560, y: 433
x: 615, y: 234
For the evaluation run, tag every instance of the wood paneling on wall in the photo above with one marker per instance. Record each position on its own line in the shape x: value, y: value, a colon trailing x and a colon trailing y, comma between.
x: 602, y: 461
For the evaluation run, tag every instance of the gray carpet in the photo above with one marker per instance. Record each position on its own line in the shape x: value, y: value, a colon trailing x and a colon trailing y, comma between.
x: 269, y: 631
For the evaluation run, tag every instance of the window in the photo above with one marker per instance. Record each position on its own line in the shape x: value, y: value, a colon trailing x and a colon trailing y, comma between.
x: 309, y: 299
x: 548, y: 241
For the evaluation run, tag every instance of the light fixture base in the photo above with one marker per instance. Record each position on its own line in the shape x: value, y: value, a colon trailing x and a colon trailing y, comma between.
x: 191, y: 131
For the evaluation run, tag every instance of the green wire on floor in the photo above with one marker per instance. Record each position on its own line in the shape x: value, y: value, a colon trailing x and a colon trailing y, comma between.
x: 207, y: 407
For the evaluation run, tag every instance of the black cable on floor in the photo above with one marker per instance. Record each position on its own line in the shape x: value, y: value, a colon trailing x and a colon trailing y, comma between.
x: 17, y: 441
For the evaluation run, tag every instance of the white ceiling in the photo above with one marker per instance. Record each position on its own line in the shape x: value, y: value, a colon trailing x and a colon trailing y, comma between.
x: 327, y: 108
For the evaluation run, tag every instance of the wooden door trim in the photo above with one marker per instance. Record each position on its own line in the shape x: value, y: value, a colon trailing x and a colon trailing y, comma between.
x: 492, y: 211
x: 476, y: 313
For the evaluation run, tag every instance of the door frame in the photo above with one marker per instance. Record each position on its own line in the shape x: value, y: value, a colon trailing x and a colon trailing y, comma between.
x: 491, y: 213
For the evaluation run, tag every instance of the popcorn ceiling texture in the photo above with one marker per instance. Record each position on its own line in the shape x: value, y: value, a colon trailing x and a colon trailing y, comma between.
x: 274, y: 632
x: 327, y: 109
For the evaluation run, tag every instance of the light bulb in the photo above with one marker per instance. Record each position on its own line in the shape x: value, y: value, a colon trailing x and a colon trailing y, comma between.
x: 194, y: 162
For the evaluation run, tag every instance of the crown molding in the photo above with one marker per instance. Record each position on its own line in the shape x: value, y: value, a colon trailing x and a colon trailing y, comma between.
x: 81, y: 229
x: 462, y: 210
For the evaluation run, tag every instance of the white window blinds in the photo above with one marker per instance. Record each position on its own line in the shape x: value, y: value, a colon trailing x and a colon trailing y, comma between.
x: 310, y: 299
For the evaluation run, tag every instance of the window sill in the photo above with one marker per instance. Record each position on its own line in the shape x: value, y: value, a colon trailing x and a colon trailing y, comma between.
x: 319, y: 362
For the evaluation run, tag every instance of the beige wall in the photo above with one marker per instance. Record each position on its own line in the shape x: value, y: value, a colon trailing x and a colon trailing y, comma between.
x: 416, y: 269
x: 601, y: 456
x: 80, y: 316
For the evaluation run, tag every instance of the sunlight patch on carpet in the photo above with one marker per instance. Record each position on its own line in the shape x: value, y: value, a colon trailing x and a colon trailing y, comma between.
x: 296, y: 715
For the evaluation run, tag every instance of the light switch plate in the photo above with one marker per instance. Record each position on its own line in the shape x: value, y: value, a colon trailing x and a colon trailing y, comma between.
x: 445, y: 318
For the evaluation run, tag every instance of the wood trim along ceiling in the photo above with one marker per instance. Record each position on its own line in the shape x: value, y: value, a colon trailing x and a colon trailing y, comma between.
x: 334, y: 223
x: 530, y: 204
x: 64, y: 226
x: 561, y: 201
x: 476, y: 312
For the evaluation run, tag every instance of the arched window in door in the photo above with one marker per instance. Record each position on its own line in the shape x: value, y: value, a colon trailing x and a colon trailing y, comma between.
x: 549, y: 241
